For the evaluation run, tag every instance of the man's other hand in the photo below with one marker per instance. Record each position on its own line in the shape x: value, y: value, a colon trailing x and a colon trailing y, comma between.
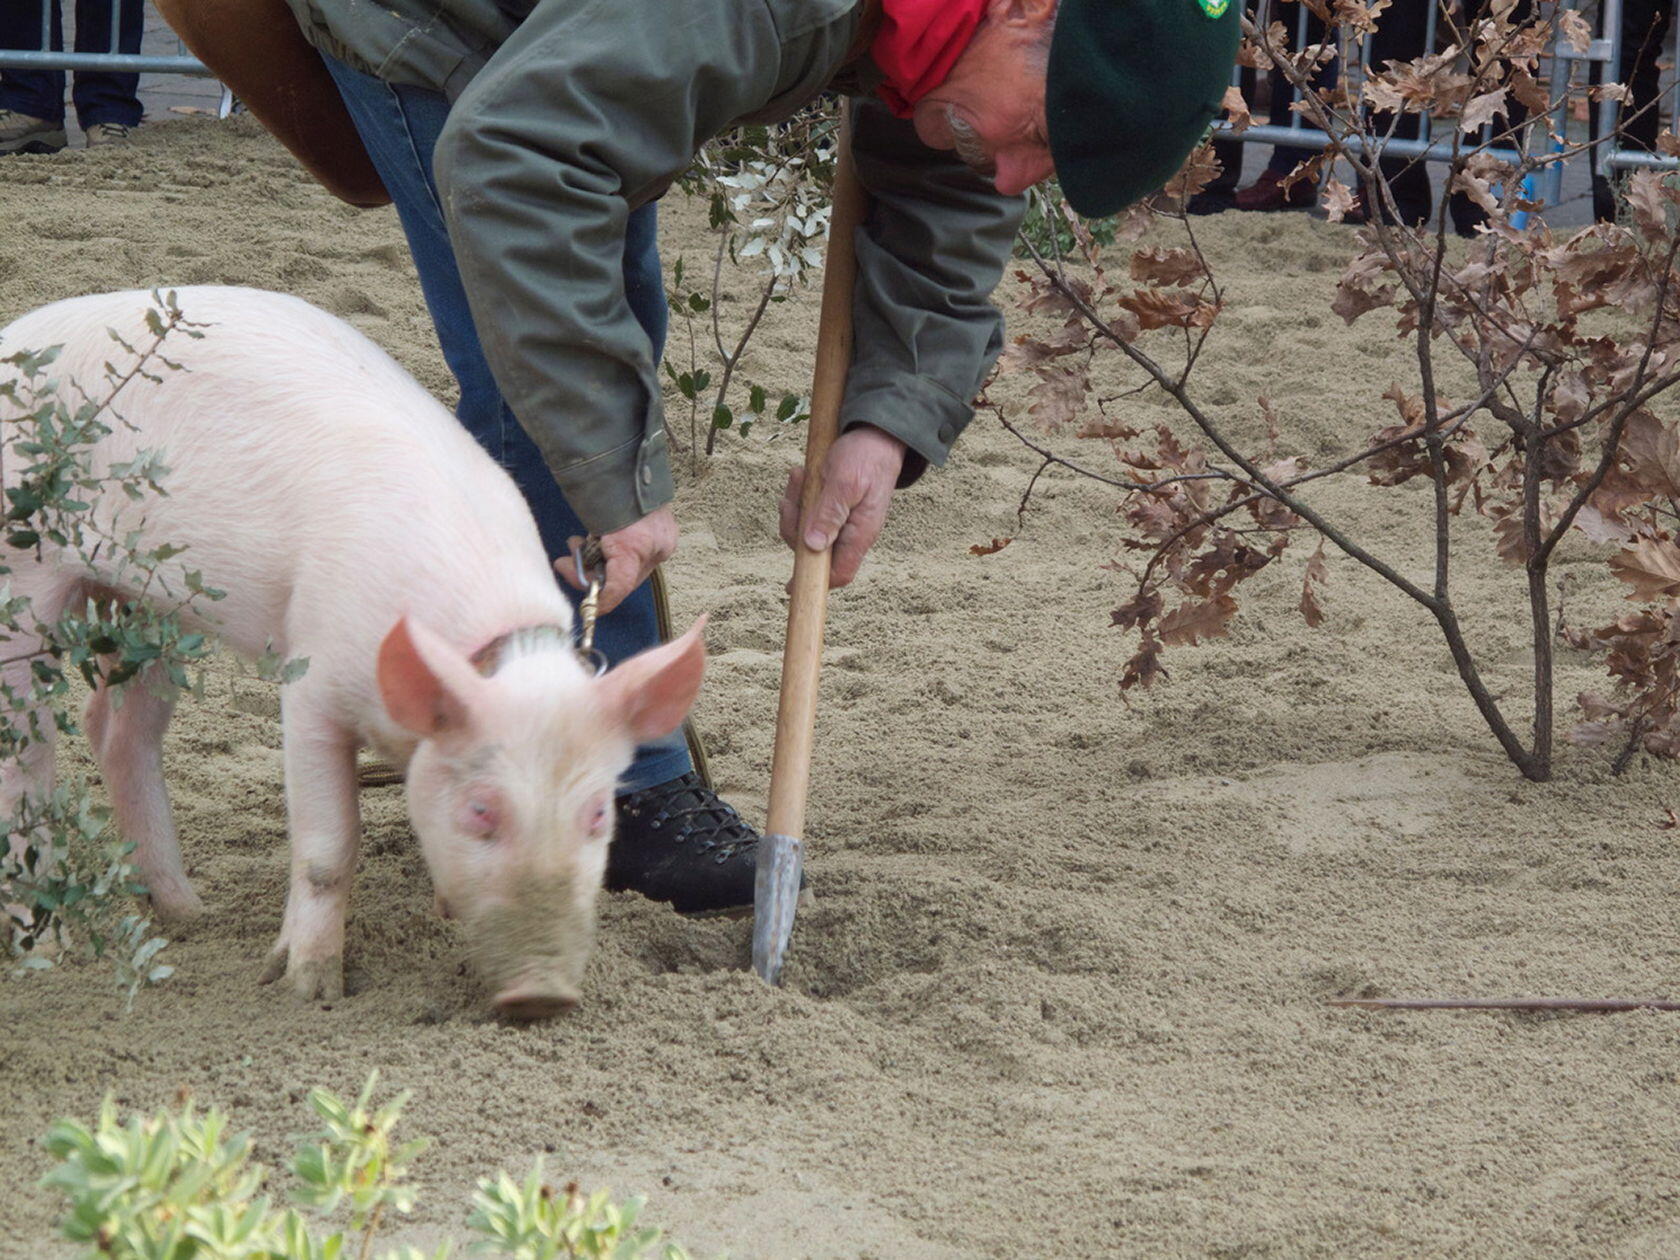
x: 858, y: 479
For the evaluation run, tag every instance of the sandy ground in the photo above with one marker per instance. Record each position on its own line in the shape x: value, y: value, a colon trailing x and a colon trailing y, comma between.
x: 1061, y: 992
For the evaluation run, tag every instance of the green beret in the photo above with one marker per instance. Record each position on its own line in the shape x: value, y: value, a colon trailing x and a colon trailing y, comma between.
x: 1132, y: 86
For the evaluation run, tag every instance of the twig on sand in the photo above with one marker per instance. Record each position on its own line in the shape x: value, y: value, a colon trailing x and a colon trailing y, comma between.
x: 1598, y: 1005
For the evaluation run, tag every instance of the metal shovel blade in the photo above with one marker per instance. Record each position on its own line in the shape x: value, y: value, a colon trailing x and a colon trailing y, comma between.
x: 775, y: 900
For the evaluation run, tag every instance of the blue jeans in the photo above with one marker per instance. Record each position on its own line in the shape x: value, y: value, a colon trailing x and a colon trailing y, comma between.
x: 400, y: 125
x: 101, y: 97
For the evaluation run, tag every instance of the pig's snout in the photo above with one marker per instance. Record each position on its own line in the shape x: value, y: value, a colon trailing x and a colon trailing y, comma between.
x: 534, y: 1001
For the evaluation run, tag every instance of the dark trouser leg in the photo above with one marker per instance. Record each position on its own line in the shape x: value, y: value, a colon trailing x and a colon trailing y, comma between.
x: 1645, y: 29
x: 102, y: 96
x: 38, y: 93
x: 1400, y: 37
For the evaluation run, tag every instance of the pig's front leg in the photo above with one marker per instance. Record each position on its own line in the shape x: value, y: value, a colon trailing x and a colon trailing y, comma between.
x: 324, y: 822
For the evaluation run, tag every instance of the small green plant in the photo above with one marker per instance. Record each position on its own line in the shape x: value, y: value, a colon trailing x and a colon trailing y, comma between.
x: 1048, y: 229
x: 767, y: 191
x: 532, y: 1222
x: 65, y: 881
x: 177, y: 1185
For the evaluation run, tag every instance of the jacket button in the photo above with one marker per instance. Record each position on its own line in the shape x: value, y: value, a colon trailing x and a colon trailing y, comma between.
x: 647, y: 475
x: 947, y: 433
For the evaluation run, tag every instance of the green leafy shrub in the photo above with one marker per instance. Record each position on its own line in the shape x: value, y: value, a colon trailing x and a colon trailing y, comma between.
x: 177, y: 1185
x: 65, y: 881
x: 66, y: 885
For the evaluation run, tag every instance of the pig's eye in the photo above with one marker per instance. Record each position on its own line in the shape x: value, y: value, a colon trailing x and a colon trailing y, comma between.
x: 480, y: 818
x: 598, y: 817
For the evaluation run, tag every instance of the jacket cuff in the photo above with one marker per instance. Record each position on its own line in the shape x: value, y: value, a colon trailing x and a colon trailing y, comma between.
x: 925, y: 416
x: 618, y: 487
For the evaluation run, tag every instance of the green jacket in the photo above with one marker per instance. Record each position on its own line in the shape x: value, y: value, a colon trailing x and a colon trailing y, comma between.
x: 567, y: 114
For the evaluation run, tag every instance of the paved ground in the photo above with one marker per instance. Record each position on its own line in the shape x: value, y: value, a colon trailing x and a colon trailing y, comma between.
x: 167, y: 97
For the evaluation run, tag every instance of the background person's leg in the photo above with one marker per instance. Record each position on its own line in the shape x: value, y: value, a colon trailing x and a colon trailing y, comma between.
x: 102, y: 96
x: 31, y: 101
x: 1645, y: 31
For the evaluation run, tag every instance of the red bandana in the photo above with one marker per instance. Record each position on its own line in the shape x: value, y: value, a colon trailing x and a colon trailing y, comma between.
x: 918, y: 43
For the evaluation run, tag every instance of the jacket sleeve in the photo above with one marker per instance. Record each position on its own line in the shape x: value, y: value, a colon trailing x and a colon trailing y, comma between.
x: 931, y: 249
x: 586, y: 110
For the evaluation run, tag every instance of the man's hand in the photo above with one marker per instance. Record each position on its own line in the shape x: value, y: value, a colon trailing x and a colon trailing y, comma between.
x: 632, y: 554
x: 858, y: 479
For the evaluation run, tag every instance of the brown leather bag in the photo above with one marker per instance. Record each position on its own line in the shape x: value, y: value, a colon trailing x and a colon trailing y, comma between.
x: 256, y: 49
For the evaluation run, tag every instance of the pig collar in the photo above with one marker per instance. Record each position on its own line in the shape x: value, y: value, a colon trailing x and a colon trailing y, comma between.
x: 504, y: 647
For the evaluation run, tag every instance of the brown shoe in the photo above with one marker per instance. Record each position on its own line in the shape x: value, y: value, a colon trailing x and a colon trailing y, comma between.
x: 101, y: 134
x: 25, y: 133
x: 1268, y: 193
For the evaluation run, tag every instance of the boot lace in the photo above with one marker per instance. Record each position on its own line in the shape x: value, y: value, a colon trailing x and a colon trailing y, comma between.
x: 695, y: 813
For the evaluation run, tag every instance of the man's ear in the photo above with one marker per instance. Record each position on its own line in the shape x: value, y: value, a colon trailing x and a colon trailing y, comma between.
x: 1021, y: 12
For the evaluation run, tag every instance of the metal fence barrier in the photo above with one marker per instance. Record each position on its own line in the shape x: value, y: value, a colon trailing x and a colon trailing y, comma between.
x: 1614, y: 157
x: 1605, y: 50
x: 112, y: 59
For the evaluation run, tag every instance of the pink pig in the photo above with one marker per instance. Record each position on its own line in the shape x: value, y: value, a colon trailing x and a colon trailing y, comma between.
x: 354, y: 523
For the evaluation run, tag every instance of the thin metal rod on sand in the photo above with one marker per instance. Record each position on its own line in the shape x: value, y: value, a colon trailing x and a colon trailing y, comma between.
x: 1591, y: 1005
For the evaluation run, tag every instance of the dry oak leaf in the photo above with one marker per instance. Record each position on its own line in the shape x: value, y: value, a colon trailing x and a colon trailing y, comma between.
x: 1253, y: 52
x: 1059, y: 396
x: 1652, y: 450
x: 1577, y: 32
x: 1144, y: 668
x: 1360, y: 290
x: 1191, y: 623
x: 1317, y: 575
x: 1509, y: 533
x: 1358, y: 16
x: 1029, y: 352
x: 1138, y: 611
x: 1482, y: 109
x: 1651, y: 566
x: 1601, y: 528
x: 1339, y: 200
x: 1167, y: 266
x: 1648, y: 199
x: 1529, y: 93
x: 1670, y: 821
x: 1156, y: 308
x: 991, y: 548
x: 1237, y: 109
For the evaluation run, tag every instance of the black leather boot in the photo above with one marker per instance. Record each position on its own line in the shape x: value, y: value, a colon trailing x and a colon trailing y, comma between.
x: 678, y: 842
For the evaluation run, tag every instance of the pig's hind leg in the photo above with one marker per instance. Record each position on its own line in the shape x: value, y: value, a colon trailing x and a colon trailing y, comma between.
x: 27, y: 770
x: 323, y: 819
x: 126, y: 727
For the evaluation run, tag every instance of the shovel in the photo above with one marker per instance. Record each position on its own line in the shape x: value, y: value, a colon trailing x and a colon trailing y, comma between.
x: 780, y: 851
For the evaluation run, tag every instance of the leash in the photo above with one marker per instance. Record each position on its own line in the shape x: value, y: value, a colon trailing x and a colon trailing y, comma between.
x: 590, y: 565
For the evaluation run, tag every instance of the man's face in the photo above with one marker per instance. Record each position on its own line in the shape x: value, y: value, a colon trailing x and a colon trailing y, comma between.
x: 990, y: 109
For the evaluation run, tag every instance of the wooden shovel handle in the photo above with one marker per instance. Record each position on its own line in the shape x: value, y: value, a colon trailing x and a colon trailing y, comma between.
x: 796, y: 715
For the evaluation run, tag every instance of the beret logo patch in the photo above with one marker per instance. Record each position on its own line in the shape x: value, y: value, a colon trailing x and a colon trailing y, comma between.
x: 1214, y: 8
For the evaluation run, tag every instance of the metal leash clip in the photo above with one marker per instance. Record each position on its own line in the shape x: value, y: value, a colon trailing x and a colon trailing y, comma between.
x: 591, y: 569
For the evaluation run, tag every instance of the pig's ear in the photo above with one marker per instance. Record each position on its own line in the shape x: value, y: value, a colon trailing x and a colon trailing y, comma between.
x: 651, y: 693
x: 427, y: 685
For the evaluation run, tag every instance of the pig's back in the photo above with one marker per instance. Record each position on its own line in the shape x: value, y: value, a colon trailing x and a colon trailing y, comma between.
x: 302, y: 460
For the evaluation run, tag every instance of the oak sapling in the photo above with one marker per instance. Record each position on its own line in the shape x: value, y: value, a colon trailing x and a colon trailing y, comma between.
x: 1539, y: 358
